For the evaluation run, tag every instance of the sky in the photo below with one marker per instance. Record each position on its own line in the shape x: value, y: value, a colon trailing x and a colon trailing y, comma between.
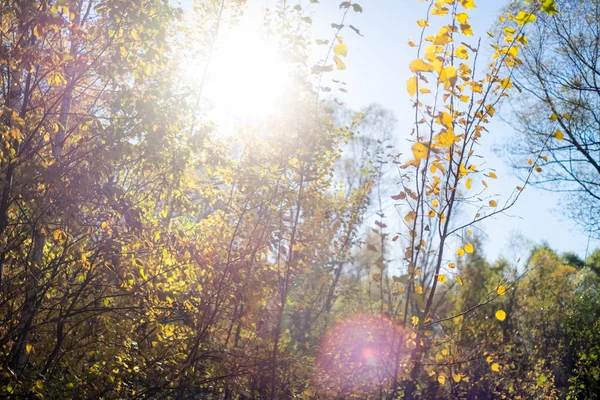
x: 377, y: 69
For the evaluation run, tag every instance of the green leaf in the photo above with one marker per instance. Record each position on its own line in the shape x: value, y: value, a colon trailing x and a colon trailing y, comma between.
x: 355, y: 30
x: 318, y: 69
x: 549, y: 7
x: 357, y: 8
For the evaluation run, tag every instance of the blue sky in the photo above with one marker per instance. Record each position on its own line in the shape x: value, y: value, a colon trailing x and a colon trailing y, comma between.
x: 377, y: 69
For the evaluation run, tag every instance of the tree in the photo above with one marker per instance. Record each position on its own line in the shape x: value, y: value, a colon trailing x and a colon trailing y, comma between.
x: 139, y: 257
x: 557, y: 113
x: 145, y: 255
x: 80, y: 167
x: 452, y: 103
x: 535, y: 350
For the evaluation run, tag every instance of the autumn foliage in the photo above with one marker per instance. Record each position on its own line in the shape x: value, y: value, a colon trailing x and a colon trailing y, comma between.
x: 144, y: 255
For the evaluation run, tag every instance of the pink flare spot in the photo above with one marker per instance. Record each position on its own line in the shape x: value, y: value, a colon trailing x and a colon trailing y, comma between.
x: 358, y: 356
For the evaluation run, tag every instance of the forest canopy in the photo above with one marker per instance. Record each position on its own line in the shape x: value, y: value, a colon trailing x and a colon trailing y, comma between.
x: 190, y: 210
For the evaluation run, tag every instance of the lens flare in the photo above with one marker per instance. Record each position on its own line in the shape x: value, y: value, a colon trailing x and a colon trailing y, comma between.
x: 358, y: 356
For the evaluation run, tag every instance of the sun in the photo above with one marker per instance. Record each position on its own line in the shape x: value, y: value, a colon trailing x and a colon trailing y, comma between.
x: 247, y: 77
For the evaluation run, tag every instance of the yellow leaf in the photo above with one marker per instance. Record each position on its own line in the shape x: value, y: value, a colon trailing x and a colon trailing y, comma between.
x: 467, y: 29
x: 60, y: 236
x: 500, y: 315
x: 459, y: 280
x: 468, y: 183
x: 462, y: 17
x: 340, y: 49
x: 559, y: 135
x: 441, y: 278
x: 446, y: 119
x: 501, y: 290
x: 29, y: 349
x: 448, y: 76
x: 468, y: 4
x: 495, y: 367
x: 446, y: 138
x: 452, y: 265
x: 422, y: 23
x: 461, y: 52
x: 437, y: 10
x: 489, y: 359
x: 306, y: 395
x: 469, y: 232
x: 441, y: 379
x: 456, y: 377
x: 493, y: 203
x: 414, y: 163
x: 419, y: 65
x: 462, y: 171
x: 15, y: 133
x: 460, y: 252
x: 523, y: 18
x: 522, y: 39
x: 469, y: 248
x: 493, y: 175
x: 419, y: 289
x: 376, y: 277
x: 410, y: 216
x: 414, y: 320
x: 339, y: 63
x: 419, y: 150
x: 567, y: 116
x: 538, y: 168
x: 442, y: 38
x: 553, y: 117
x: 411, y: 85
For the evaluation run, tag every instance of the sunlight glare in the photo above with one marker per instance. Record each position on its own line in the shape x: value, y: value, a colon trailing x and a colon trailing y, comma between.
x: 247, y: 77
